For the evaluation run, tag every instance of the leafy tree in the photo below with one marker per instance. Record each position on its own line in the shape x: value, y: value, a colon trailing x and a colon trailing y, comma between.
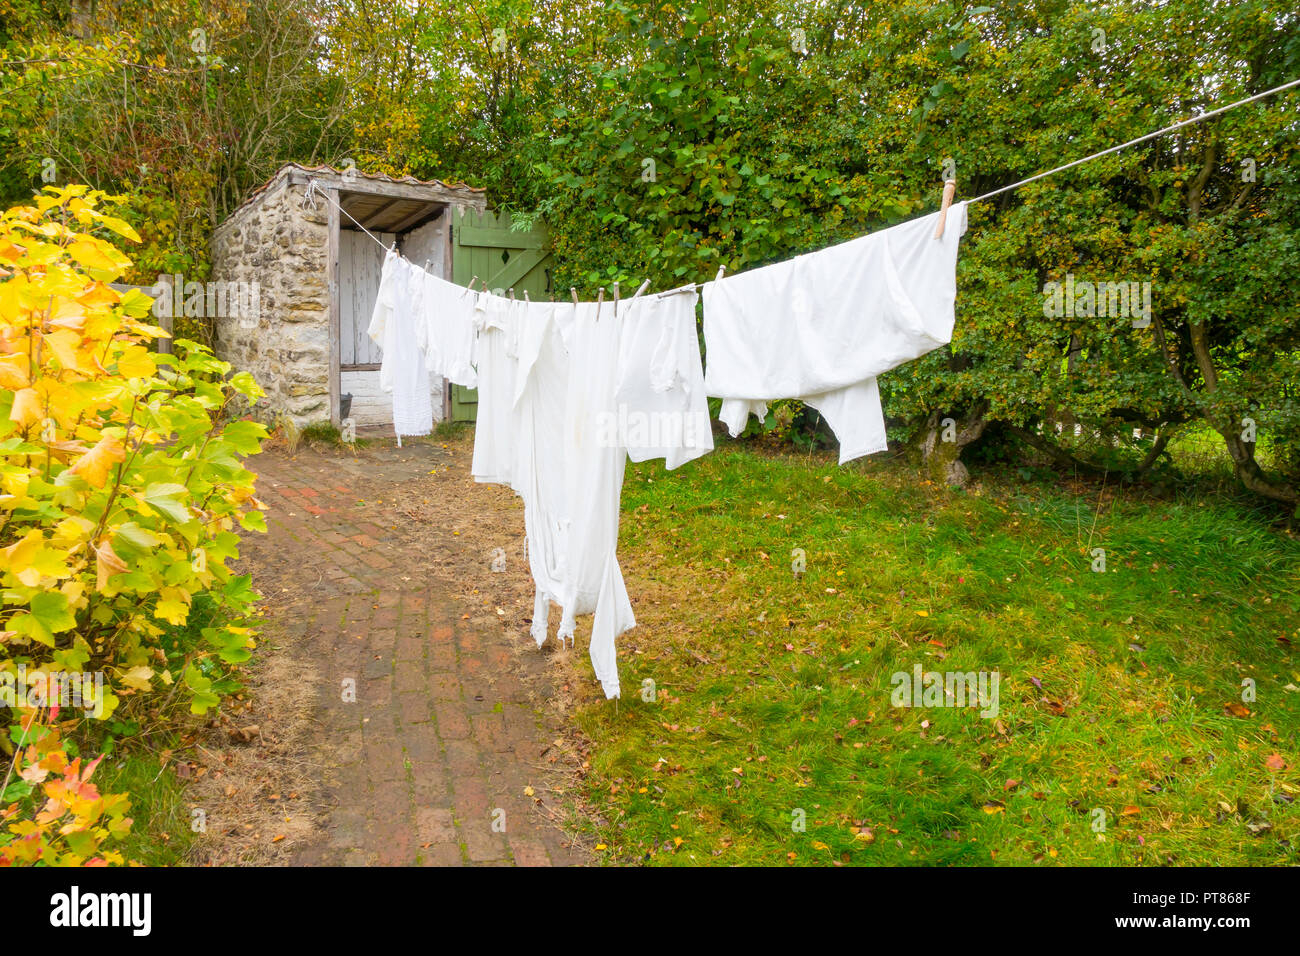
x: 182, y: 107
x: 778, y: 129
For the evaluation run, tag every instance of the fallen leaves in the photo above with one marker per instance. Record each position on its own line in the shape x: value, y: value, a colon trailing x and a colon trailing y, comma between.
x: 244, y: 734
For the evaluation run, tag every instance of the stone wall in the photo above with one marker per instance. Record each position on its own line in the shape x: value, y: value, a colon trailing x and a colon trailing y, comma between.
x: 283, y: 247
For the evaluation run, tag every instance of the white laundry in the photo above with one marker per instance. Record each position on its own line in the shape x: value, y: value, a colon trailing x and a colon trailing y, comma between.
x: 568, y: 392
x: 636, y: 389
x: 662, y: 408
x: 552, y: 378
x: 537, y: 434
x: 821, y: 327
x: 448, y: 332
x: 395, y: 326
x: 494, y: 351
x: 594, y: 461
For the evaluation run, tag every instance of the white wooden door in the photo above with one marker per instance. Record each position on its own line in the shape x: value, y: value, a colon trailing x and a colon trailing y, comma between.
x: 361, y: 260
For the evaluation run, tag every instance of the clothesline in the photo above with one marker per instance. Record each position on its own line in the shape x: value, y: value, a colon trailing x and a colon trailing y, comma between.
x: 314, y: 189
x: 566, y: 398
x: 1141, y: 139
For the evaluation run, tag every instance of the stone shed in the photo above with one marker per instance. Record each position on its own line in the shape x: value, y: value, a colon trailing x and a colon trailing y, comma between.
x: 315, y: 275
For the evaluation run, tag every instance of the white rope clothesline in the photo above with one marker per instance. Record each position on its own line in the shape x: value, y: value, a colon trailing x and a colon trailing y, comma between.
x: 314, y: 189
x: 1141, y: 139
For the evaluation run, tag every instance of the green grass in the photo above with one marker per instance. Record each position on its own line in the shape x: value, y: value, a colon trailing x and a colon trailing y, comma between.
x: 451, y: 430
x: 160, y: 832
x: 323, y: 433
x: 773, y: 691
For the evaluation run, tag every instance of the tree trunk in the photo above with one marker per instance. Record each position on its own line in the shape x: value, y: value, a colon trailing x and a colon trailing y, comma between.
x: 942, y: 444
x: 80, y: 15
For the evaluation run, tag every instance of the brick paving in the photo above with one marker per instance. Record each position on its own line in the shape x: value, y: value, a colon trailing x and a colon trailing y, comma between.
x: 429, y: 764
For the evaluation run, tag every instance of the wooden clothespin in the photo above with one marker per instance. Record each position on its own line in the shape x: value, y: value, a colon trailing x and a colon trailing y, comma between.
x: 512, y: 293
x: 949, y: 189
x: 600, y: 299
x: 526, y: 299
x: 644, y: 285
x: 575, y: 294
x: 470, y: 287
x: 616, y: 298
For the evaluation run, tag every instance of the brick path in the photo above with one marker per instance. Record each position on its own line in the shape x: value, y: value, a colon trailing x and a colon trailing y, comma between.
x: 445, y: 733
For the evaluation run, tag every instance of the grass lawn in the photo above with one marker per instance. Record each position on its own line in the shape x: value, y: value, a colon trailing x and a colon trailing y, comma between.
x: 1120, y: 699
x: 160, y: 834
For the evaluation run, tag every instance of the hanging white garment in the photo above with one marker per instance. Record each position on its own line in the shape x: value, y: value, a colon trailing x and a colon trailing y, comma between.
x: 448, y: 330
x: 662, y: 408
x: 594, y: 461
x: 560, y: 389
x: 495, y: 354
x: 637, y: 390
x: 821, y: 327
x: 537, y: 426
x: 396, y: 327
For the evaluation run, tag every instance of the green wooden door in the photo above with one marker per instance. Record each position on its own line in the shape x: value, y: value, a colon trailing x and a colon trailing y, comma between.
x: 484, y: 245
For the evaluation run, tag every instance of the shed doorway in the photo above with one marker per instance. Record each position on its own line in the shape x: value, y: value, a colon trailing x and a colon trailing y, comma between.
x: 418, y: 231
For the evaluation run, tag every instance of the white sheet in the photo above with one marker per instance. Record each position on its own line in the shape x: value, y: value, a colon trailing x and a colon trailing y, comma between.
x: 821, y: 327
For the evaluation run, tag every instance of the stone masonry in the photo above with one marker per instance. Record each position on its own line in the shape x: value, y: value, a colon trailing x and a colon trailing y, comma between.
x: 282, y: 245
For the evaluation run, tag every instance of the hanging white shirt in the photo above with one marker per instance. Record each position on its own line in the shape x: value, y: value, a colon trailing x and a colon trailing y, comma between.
x: 820, y: 327
x: 495, y: 355
x: 396, y: 327
x: 449, y: 330
x: 662, y: 408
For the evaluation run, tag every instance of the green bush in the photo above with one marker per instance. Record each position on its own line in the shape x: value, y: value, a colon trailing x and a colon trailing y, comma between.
x: 123, y: 482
